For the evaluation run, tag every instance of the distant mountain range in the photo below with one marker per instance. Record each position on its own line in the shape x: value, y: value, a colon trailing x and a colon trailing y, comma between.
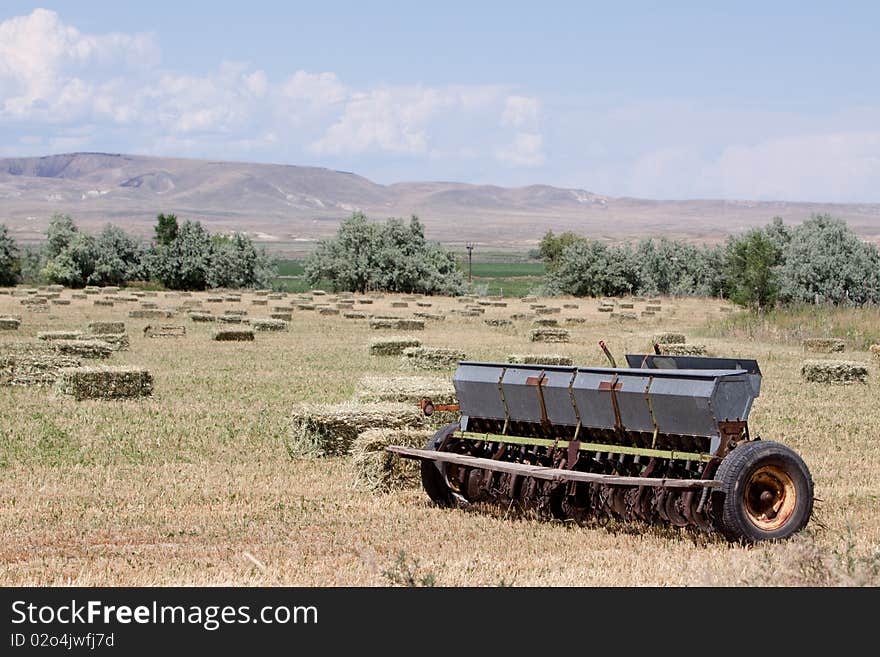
x: 294, y: 205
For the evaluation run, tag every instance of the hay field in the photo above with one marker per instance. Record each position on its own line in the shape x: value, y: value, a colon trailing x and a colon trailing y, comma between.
x: 198, y: 484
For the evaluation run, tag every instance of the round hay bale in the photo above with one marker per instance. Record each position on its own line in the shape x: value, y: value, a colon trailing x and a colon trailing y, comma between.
x: 549, y: 334
x: 498, y: 321
x: 104, y: 382
x: 269, y: 324
x: 92, y: 349
x: 545, y: 321
x: 9, y: 324
x: 377, y: 470
x: 678, y: 349
x: 318, y: 430
x: 668, y: 338
x: 392, y: 346
x: 49, y: 336
x: 106, y: 327
x: 539, y: 359
x: 834, y: 371
x: 431, y: 358
x: 233, y: 335
x: 824, y: 345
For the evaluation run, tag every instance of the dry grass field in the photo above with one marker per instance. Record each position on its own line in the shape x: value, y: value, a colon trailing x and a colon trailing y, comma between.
x: 197, y: 484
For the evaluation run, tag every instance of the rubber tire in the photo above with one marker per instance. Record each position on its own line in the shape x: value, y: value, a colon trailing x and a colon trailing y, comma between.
x: 433, y: 477
x: 736, y: 470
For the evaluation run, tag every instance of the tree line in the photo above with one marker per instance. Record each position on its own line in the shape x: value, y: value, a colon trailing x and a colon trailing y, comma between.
x: 818, y: 261
x: 181, y: 256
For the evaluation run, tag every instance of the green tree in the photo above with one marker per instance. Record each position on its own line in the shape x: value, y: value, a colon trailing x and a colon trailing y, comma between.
x: 184, y: 263
x: 392, y: 256
x: 59, y: 234
x: 74, y: 264
x: 750, y: 268
x: 551, y: 246
x: 825, y: 261
x: 10, y: 258
x: 166, y: 229
x: 119, y: 258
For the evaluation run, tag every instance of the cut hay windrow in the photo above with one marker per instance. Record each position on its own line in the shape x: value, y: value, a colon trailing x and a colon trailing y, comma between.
x: 103, y: 302
x: 9, y: 324
x: 318, y: 430
x: 116, y: 341
x: 431, y: 358
x: 99, y: 328
x: 824, y: 345
x: 49, y: 336
x: 233, y: 335
x: 669, y: 338
x: 121, y: 382
x: 164, y: 331
x: 32, y: 363
x: 398, y: 324
x: 354, y: 315
x: 549, y: 334
x: 498, y: 321
x: 377, y: 470
x: 545, y: 321
x: 269, y: 324
x: 150, y: 313
x: 834, y: 371
x: 91, y: 349
x: 202, y: 317
x: 285, y: 317
x: 405, y: 389
x: 539, y: 359
x: 392, y: 346
x: 679, y: 349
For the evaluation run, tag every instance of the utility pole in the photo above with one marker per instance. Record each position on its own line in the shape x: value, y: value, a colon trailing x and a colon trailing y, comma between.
x: 470, y: 248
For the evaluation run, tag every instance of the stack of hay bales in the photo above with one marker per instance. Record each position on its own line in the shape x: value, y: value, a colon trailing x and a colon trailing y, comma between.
x: 500, y: 321
x: 269, y: 324
x: 377, y: 470
x: 431, y: 358
x: 32, y: 364
x: 8, y: 323
x: 834, y: 371
x: 539, y: 359
x: 398, y: 324
x: 104, y: 382
x: 824, y: 345
x: 233, y: 335
x: 549, y: 334
x: 164, y: 331
x: 392, y: 346
x: 330, y: 429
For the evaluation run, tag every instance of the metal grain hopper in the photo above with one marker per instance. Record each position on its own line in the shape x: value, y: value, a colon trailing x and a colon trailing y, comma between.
x: 665, y: 439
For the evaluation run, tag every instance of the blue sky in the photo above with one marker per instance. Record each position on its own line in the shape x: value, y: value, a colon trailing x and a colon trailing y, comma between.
x: 661, y: 100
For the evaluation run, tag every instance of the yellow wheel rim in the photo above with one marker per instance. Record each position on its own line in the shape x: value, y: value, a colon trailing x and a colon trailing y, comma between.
x: 770, y: 497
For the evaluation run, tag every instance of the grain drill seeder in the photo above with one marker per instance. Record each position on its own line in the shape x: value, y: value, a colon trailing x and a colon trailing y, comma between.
x: 663, y: 440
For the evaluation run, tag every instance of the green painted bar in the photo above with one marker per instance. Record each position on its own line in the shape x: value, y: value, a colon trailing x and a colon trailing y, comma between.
x: 584, y: 447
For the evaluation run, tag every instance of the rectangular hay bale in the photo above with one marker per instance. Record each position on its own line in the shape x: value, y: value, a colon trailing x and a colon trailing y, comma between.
x: 233, y: 335
x: 824, y: 345
x: 431, y: 358
x: 377, y: 470
x: 392, y: 346
x: 834, y: 371
x: 549, y: 334
x: 120, y: 382
x: 539, y: 359
x: 269, y: 324
x: 106, y: 327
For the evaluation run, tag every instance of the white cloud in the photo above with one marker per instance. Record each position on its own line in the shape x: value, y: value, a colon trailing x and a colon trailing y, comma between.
x: 520, y: 112
x: 527, y: 150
